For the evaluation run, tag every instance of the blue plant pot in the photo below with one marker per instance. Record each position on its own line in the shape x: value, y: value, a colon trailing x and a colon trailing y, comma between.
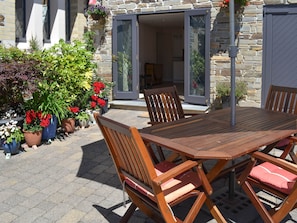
x: 50, y: 131
x: 12, y: 147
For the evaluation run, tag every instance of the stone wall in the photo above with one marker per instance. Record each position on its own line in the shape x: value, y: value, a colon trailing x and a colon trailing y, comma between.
x: 7, y: 22
x: 248, y: 38
x: 248, y: 29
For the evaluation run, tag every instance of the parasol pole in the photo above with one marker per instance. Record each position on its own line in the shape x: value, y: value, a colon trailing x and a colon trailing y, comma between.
x: 232, y: 55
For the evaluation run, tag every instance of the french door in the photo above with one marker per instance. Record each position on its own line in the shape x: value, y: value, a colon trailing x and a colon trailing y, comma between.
x: 125, y: 57
x: 197, y: 48
x: 196, y: 56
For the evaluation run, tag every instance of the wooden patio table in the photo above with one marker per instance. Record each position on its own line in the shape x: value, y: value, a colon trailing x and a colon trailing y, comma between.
x: 211, y: 136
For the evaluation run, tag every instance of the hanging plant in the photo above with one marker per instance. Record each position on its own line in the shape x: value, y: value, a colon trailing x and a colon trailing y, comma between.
x: 238, y: 3
x: 96, y: 11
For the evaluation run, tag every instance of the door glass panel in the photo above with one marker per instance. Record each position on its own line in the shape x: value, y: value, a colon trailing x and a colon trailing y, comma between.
x: 46, y: 20
x: 20, y: 20
x: 124, y: 55
x: 197, y: 55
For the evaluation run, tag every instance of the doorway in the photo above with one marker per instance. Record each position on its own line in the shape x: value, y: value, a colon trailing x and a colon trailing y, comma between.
x: 161, y: 50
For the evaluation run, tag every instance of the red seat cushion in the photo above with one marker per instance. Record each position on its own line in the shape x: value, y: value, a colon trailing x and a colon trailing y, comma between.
x: 282, y: 143
x: 174, y: 187
x: 274, y: 176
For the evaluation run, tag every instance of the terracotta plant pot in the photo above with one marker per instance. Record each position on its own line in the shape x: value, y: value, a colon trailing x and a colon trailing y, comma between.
x: 68, y: 124
x: 33, y: 138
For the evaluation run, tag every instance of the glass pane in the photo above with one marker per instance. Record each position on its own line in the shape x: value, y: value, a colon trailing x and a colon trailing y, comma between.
x: 20, y: 20
x: 45, y: 19
x: 124, y: 55
x: 197, y: 55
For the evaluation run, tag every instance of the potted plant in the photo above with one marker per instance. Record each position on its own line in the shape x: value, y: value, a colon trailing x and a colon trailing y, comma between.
x: 83, y: 119
x: 33, y: 125
x: 49, y: 102
x: 224, y: 90
x: 96, y: 11
x: 68, y: 123
x: 98, y: 99
x: 238, y: 3
x: 11, y: 137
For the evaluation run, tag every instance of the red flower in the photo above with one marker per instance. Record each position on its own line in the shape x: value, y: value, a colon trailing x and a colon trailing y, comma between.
x: 35, y: 120
x: 101, y: 102
x: 98, y: 86
x: 74, y: 109
x: 44, y: 122
x: 28, y: 117
x: 93, y: 104
x: 94, y: 98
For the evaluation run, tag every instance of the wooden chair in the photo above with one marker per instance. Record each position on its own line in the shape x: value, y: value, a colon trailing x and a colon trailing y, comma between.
x: 164, y: 105
x: 283, y: 99
x: 275, y: 175
x: 154, y: 189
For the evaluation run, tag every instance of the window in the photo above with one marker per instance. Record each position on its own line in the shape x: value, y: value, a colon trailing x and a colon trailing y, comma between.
x: 46, y: 20
x: 68, y: 20
x: 20, y: 20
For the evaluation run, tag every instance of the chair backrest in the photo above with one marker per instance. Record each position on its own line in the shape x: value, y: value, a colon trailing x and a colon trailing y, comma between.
x: 163, y: 104
x: 282, y: 99
x: 128, y: 151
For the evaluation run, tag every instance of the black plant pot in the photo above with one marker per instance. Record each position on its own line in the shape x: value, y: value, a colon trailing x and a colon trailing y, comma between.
x: 104, y: 109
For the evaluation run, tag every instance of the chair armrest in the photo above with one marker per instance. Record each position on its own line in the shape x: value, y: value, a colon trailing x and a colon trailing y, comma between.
x: 182, y: 168
x: 291, y: 167
x: 175, y: 171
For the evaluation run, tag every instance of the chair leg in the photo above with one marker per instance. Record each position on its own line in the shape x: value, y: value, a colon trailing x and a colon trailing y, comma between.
x: 293, y: 156
x: 248, y: 189
x: 142, y: 205
x: 215, y: 212
x: 128, y: 213
x: 195, y: 208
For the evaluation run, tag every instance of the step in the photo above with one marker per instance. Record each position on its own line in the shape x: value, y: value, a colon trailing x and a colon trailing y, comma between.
x: 140, y: 105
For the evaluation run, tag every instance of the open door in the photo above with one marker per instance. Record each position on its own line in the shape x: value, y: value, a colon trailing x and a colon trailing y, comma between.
x: 125, y: 57
x: 197, y: 46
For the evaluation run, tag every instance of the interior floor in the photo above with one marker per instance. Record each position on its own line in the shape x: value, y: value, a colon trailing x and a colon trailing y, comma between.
x: 179, y: 86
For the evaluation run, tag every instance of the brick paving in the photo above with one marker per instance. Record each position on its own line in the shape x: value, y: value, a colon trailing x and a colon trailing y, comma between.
x: 70, y: 180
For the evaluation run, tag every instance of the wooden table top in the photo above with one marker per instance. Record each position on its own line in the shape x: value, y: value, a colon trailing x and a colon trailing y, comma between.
x: 211, y: 136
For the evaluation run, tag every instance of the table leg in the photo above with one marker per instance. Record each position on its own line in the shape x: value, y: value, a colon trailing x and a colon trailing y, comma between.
x: 216, y: 170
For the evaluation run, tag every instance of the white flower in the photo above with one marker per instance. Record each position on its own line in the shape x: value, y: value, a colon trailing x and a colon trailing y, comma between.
x: 6, y: 134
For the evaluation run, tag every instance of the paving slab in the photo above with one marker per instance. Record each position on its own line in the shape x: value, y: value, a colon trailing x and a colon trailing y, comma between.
x: 74, y: 180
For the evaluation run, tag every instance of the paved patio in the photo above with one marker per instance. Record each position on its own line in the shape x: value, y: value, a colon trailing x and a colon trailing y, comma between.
x: 73, y: 180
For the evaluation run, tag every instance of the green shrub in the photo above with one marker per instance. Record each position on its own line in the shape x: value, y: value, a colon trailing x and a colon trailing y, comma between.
x: 224, y: 90
x: 19, y: 75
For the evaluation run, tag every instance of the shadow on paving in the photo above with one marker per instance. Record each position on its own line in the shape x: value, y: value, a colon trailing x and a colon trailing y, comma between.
x: 97, y: 165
